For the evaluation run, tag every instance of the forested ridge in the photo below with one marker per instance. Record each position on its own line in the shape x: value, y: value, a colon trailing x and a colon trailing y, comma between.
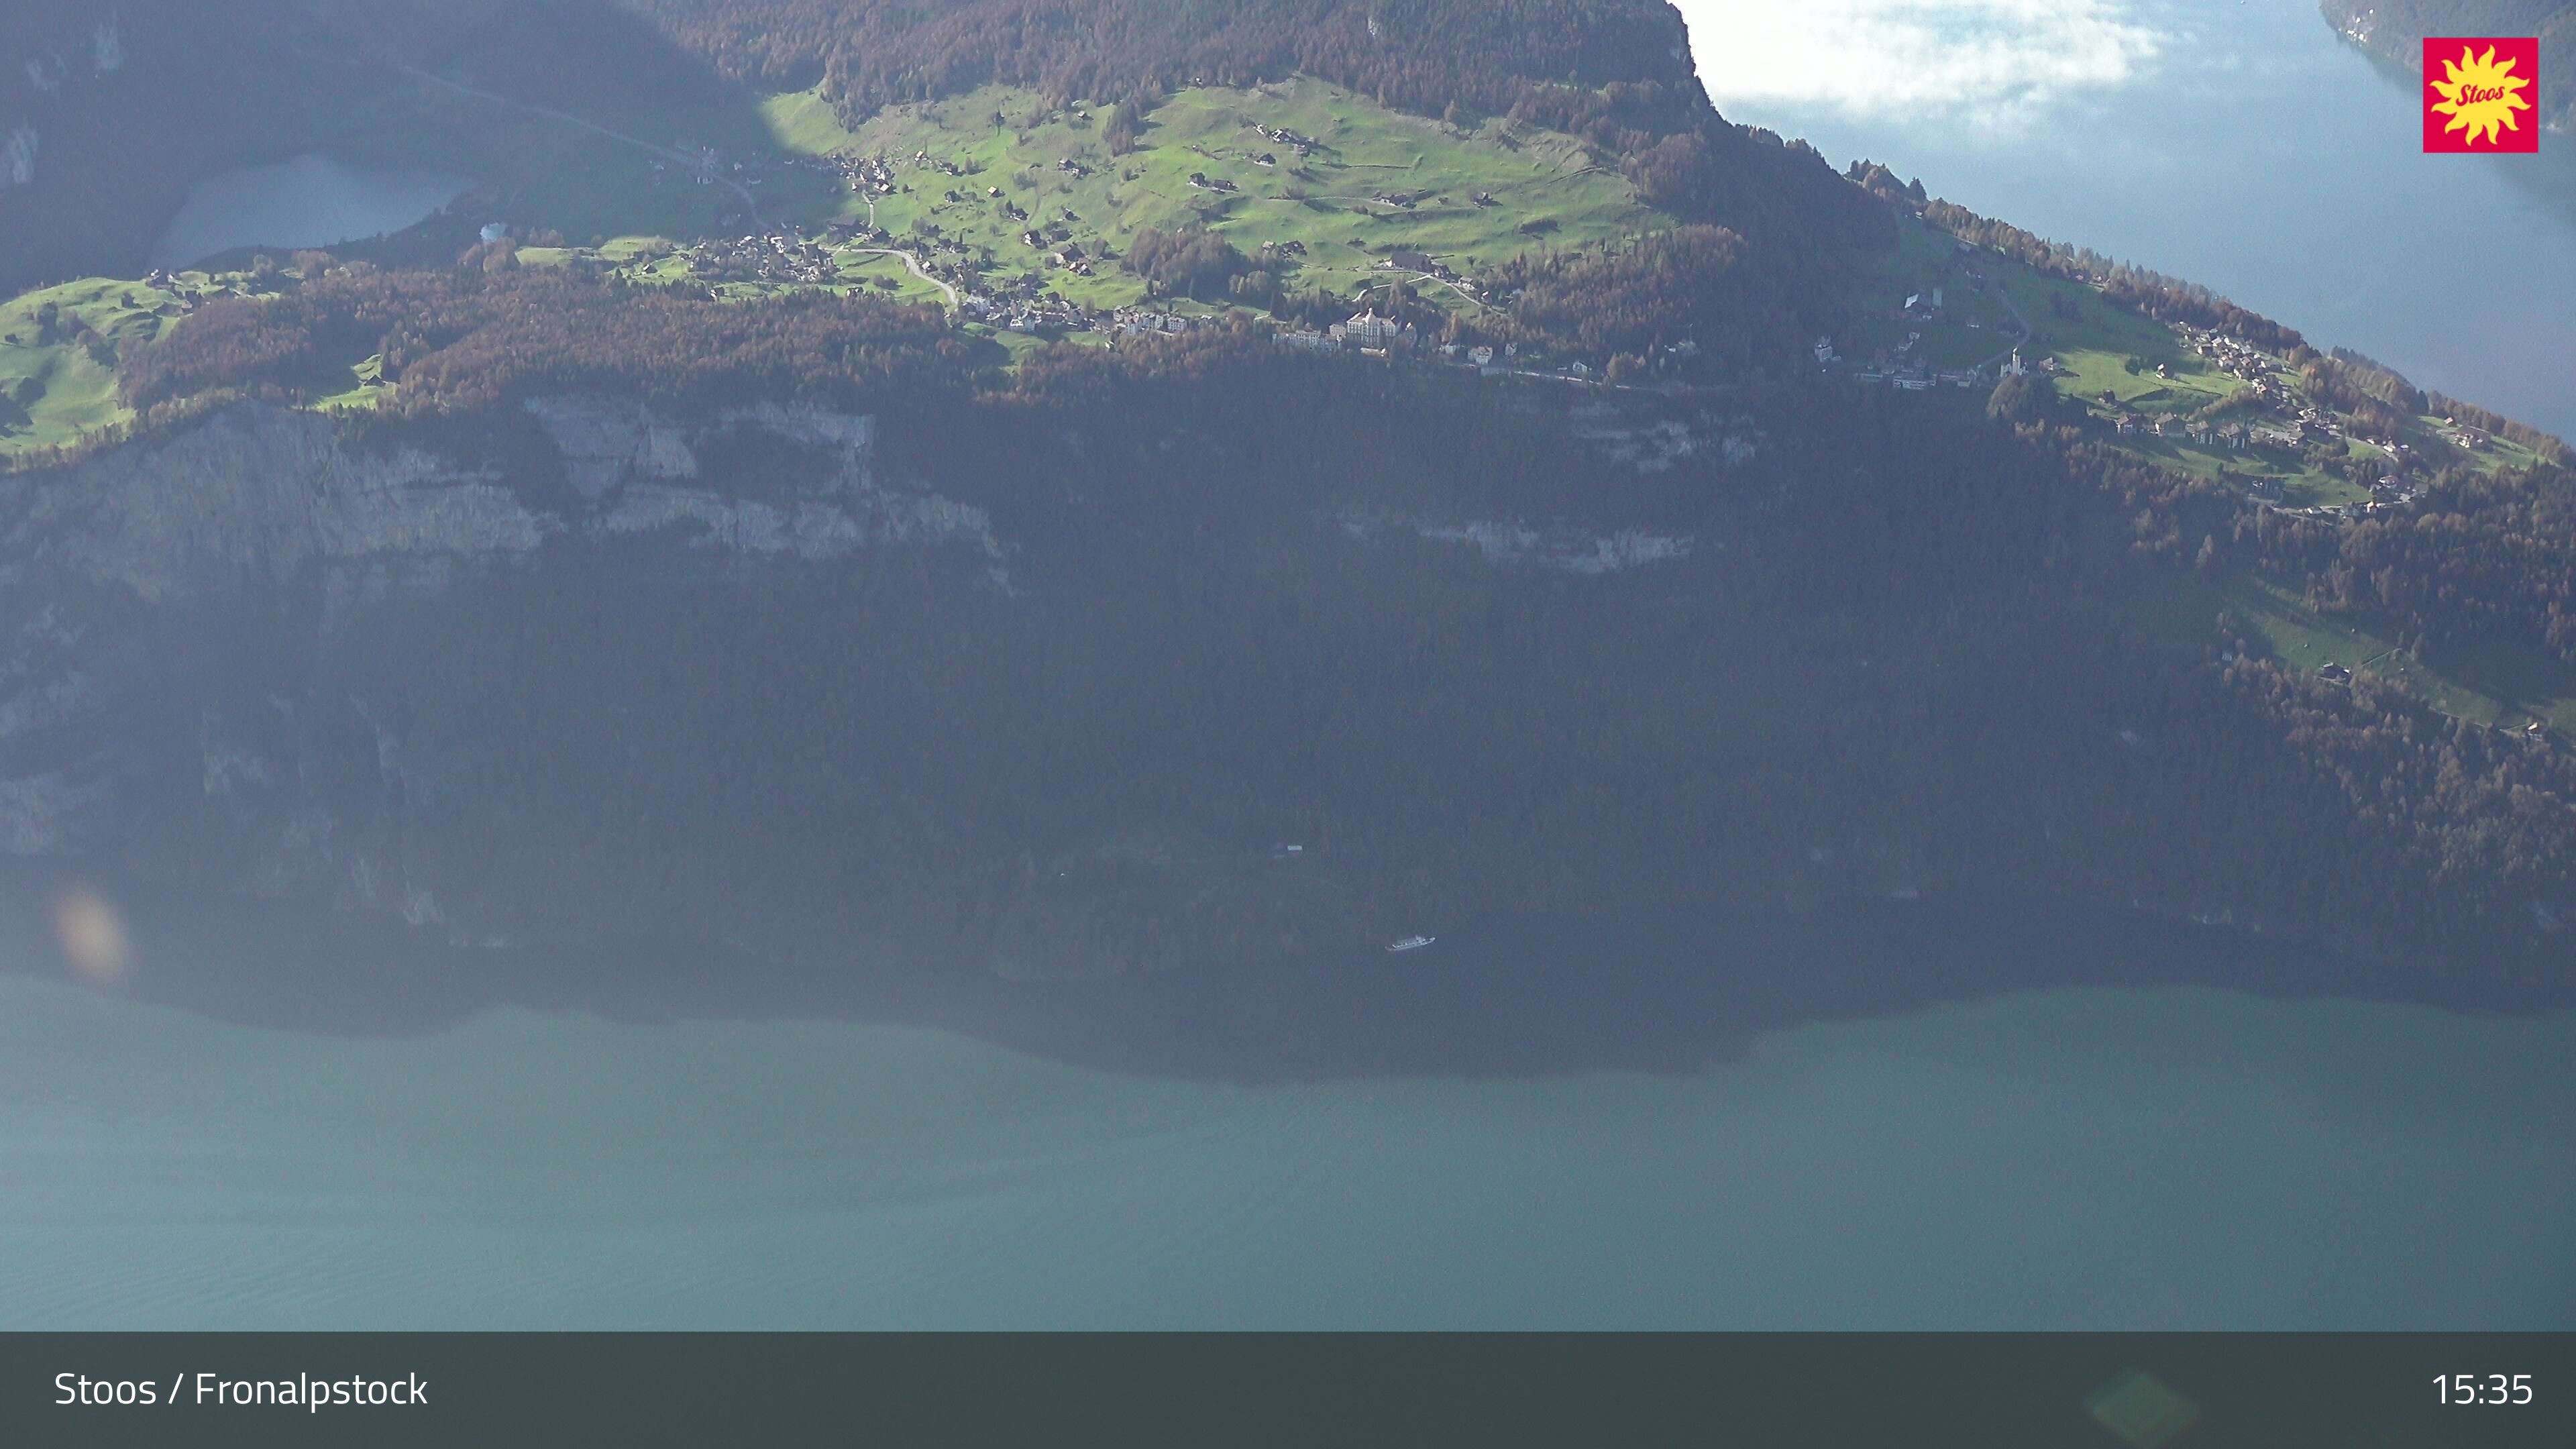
x: 2476, y: 555
x: 1882, y: 642
x: 2393, y: 30
x: 454, y: 341
x: 454, y: 338
x: 1891, y: 654
x: 1615, y: 72
x: 2490, y: 815
x: 118, y: 145
x: 1638, y: 302
x: 2222, y: 781
x: 1424, y: 55
x: 2471, y: 556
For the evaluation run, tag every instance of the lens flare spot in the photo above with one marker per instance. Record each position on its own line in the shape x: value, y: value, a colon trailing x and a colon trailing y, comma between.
x: 92, y: 936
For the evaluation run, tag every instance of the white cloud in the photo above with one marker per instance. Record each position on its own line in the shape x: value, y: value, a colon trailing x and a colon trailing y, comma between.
x: 2003, y: 63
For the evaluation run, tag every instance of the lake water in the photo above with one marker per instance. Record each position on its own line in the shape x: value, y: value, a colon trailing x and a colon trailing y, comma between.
x: 313, y: 200
x: 2178, y: 1157
x: 2238, y: 143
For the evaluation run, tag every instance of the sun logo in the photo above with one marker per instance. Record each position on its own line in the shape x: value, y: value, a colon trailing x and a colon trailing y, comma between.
x: 2473, y: 97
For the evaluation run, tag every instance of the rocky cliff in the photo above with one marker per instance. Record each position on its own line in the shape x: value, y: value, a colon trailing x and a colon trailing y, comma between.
x: 591, y: 668
x: 178, y: 605
x: 1047, y: 691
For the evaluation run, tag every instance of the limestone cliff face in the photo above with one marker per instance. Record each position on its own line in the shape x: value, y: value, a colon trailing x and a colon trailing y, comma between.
x: 588, y: 666
x: 166, y: 603
x: 254, y: 494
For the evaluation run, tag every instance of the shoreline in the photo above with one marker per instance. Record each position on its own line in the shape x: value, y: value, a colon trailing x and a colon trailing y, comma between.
x: 1669, y: 993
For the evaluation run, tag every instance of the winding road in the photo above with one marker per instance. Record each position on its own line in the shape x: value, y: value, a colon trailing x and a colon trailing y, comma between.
x: 910, y: 261
x: 1378, y: 278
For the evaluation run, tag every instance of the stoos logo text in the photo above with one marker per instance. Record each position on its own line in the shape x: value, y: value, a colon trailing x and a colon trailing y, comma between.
x: 2478, y: 93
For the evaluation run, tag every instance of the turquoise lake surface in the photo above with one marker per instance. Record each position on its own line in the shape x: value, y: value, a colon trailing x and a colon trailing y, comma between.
x: 2062, y: 1159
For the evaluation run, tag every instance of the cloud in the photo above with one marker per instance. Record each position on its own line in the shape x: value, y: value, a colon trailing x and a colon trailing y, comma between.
x: 2000, y: 63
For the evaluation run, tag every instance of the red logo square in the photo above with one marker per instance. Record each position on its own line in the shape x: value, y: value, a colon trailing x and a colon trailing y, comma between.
x: 2481, y: 93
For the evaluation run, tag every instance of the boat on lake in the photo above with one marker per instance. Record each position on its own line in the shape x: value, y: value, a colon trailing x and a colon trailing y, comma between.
x: 1411, y: 943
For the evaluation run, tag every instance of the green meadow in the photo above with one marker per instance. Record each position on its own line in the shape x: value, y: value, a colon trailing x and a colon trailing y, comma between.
x: 2498, y: 683
x: 1053, y: 166
x: 1969, y: 329
x: 58, y: 381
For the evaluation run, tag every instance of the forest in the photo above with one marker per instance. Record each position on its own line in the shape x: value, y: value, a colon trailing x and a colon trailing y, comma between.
x: 1635, y: 304
x: 1889, y: 657
x: 1694, y: 301
x: 2391, y: 821
x: 1889, y: 635
x: 458, y: 340
x: 2477, y: 556
x: 2474, y: 557
x: 1614, y: 72
x: 1192, y: 262
x: 2148, y: 293
x: 2392, y: 29
x: 1420, y: 55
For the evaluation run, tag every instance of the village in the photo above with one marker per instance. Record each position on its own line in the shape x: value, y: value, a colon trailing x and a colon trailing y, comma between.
x: 2268, y: 415
x: 1020, y: 224
x: 1018, y: 229
x: 2266, y: 434
x: 2266, y: 424
x: 2196, y: 397
x: 985, y: 293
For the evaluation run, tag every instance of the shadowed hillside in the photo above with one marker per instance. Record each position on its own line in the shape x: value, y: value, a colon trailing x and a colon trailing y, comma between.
x: 2393, y: 31
x: 109, y: 112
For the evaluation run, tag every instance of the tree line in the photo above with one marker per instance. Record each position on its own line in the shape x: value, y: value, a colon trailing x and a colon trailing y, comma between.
x: 2148, y: 293
x: 1860, y: 504
x: 454, y: 340
x: 1420, y: 55
x: 1887, y: 660
x: 1615, y: 73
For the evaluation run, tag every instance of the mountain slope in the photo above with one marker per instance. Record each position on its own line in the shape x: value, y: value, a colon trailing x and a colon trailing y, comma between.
x: 1037, y: 684
x: 688, y: 586
x: 2393, y: 31
x: 109, y: 149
